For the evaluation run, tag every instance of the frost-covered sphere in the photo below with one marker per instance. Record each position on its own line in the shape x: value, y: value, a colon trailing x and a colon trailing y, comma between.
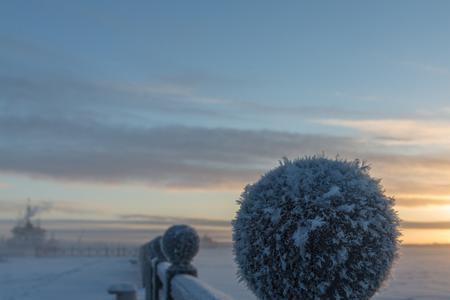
x: 180, y: 243
x: 315, y: 228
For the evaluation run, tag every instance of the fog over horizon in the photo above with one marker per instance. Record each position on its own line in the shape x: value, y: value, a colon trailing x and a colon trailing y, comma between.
x: 136, y: 229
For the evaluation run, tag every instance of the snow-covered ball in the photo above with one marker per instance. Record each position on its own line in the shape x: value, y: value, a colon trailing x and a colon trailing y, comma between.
x: 180, y: 243
x: 315, y: 228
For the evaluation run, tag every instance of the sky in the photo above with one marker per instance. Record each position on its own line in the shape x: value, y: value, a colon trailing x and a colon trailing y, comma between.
x: 148, y: 109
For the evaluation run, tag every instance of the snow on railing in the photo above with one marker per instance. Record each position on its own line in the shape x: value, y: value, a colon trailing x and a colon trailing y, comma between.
x: 166, y: 269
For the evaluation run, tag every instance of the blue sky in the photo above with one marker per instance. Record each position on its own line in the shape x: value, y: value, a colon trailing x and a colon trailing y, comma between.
x: 175, y: 106
x: 350, y: 55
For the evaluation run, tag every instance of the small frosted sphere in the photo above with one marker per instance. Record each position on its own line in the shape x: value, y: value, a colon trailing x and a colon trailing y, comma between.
x: 315, y: 228
x: 180, y: 243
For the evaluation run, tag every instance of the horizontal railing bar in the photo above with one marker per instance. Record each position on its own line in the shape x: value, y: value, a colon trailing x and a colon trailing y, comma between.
x: 186, y: 287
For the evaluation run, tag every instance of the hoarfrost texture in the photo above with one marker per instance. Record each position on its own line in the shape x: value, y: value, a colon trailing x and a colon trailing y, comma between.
x: 180, y: 243
x: 315, y: 228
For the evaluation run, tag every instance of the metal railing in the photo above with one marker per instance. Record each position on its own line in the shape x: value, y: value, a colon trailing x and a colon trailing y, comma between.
x: 166, y: 269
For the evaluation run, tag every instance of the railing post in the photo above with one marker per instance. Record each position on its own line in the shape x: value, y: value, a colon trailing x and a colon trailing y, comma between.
x: 156, y: 256
x: 180, y: 244
x: 142, y: 255
x: 146, y: 269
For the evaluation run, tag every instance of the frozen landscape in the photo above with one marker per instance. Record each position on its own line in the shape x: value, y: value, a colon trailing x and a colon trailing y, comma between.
x: 422, y: 273
x: 295, y: 150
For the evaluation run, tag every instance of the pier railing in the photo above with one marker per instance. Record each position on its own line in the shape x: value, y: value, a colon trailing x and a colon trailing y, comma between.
x: 167, y: 270
x: 166, y: 267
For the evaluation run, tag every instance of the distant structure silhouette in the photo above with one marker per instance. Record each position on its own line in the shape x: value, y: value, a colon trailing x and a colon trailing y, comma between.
x: 25, y: 234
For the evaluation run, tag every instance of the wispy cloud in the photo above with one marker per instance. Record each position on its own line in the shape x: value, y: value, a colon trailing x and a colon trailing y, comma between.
x: 66, y: 128
x: 164, y: 156
x: 133, y: 102
x: 398, y: 131
x: 74, y: 98
x: 423, y: 200
x: 410, y: 155
x: 194, y: 157
x: 425, y: 225
x: 185, y: 157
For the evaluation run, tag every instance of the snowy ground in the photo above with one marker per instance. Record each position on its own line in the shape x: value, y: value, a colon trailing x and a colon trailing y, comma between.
x: 422, y: 273
x: 62, y: 278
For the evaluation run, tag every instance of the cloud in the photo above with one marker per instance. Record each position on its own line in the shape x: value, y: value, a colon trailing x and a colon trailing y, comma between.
x: 398, y: 131
x: 165, y: 156
x: 421, y: 201
x: 425, y: 225
x: 192, y: 157
x: 62, y: 127
x: 80, y: 99
x: 35, y: 208
x: 66, y: 95
x: 424, y: 176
